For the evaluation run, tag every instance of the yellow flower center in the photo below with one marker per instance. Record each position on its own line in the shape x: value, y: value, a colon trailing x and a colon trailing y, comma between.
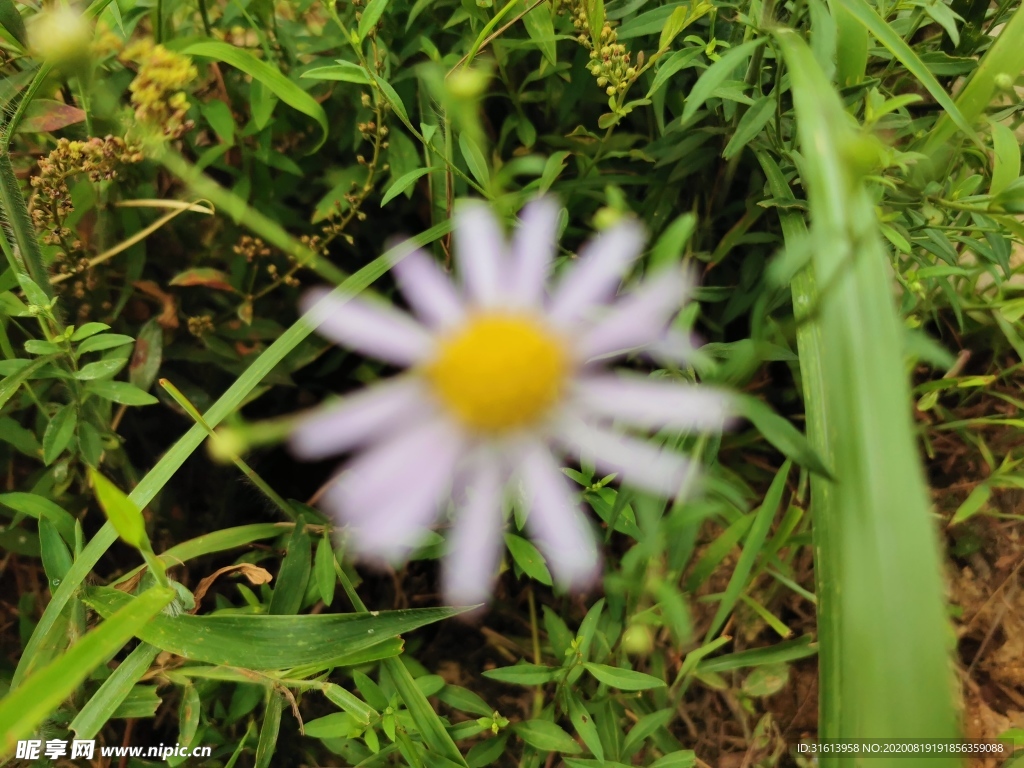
x: 499, y: 371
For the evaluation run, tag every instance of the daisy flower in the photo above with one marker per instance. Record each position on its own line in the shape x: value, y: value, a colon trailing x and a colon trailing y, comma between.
x: 502, y: 377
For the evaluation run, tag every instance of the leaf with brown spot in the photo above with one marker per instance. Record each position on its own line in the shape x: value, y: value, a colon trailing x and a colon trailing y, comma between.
x: 205, y: 276
x: 169, y: 307
x: 45, y: 115
x: 253, y: 573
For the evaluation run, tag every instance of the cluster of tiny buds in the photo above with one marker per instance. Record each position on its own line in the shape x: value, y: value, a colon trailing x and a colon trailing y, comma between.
x: 251, y: 247
x: 51, y: 202
x: 157, y: 90
x: 610, y: 63
x: 200, y: 325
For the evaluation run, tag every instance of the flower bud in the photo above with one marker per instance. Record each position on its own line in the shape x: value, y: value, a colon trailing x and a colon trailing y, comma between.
x: 61, y: 37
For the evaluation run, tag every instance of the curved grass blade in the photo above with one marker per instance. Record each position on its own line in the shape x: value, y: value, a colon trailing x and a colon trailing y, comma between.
x: 268, y: 641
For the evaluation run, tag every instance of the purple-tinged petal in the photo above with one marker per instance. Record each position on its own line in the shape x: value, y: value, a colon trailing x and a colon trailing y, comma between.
x: 480, y: 252
x: 594, y: 279
x: 637, y: 318
x: 653, y: 403
x: 637, y: 462
x: 428, y: 290
x: 373, y: 328
x: 555, y: 520
x: 533, y: 250
x: 399, y: 482
x: 360, y: 418
x: 474, y: 544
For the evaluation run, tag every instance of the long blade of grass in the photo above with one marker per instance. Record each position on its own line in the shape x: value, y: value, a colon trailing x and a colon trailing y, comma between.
x: 1004, y: 57
x: 24, y: 709
x: 169, y: 463
x: 888, y: 37
x: 893, y: 668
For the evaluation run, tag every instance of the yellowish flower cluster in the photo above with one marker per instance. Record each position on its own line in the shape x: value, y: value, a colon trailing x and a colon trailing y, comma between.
x: 157, y: 90
x: 609, y: 59
x: 51, y: 199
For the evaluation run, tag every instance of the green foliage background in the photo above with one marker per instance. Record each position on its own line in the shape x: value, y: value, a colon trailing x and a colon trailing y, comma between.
x: 846, y: 178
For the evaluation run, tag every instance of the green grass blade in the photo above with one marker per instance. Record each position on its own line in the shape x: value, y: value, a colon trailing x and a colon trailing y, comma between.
x: 885, y: 34
x: 825, y: 530
x: 892, y: 642
x: 99, y: 709
x: 267, y: 641
x: 169, y: 463
x: 1005, y: 57
x: 24, y: 709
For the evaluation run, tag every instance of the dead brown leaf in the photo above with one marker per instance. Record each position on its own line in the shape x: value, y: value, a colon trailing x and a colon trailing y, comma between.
x: 253, y: 573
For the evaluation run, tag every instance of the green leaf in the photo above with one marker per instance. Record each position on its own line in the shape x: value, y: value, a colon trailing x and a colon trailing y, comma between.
x: 392, y: 98
x: 751, y: 549
x: 89, y: 329
x: 326, y: 578
x: 595, y: 18
x: 780, y: 433
x: 371, y: 15
x: 39, y: 507
x: 402, y: 183
x: 121, y: 511
x: 546, y: 736
x: 1006, y: 158
x: 717, y: 74
x: 103, y: 341
x: 269, y: 730
x: 973, y: 504
x: 750, y: 125
x: 11, y: 20
x: 120, y: 392
x: 59, y: 432
x: 527, y: 557
x: 888, y: 37
x: 337, y: 725
x: 623, y: 679
x: 362, y: 711
x: 540, y: 28
x: 342, y: 70
x: 113, y: 692
x: 101, y: 369
x: 39, y: 696
x: 475, y: 159
x: 293, y: 577
x: 789, y: 650
x: 583, y: 722
x: 268, y: 642
x: 522, y: 674
x: 265, y: 73
x: 766, y: 680
x: 671, y: 65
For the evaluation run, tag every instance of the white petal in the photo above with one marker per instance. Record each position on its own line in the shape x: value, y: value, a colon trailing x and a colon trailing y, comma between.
x: 374, y: 329
x: 428, y: 290
x: 638, y: 318
x: 475, y: 542
x: 653, y: 403
x: 480, y: 252
x: 555, y: 520
x: 602, y: 264
x: 533, y: 250
x: 391, y: 493
x: 638, y: 462
x: 365, y: 416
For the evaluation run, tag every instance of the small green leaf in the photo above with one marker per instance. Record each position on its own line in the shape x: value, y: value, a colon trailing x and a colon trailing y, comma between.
x: 583, y: 722
x: 1006, y: 158
x: 750, y: 125
x: 121, y: 511
x: 103, y: 341
x: 766, y: 680
x: 344, y: 71
x: 59, y: 432
x: 546, y: 736
x: 101, y: 369
x: 475, y: 159
x: 120, y: 392
x: 527, y: 557
x: 337, y: 725
x: 326, y: 578
x: 371, y: 15
x: 973, y: 504
x: 89, y: 329
x: 402, y: 183
x: 623, y: 679
x: 522, y: 674
x: 780, y: 433
x: 717, y: 74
